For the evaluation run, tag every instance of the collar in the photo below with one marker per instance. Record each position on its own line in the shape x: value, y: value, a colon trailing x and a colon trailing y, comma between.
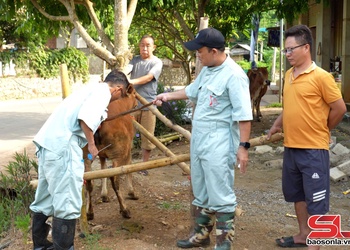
x: 309, y: 69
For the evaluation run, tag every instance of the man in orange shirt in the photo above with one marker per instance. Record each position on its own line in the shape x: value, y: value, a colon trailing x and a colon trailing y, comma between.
x: 312, y: 107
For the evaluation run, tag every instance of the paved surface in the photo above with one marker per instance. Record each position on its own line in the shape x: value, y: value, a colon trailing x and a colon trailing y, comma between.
x: 20, y: 120
x: 268, y: 99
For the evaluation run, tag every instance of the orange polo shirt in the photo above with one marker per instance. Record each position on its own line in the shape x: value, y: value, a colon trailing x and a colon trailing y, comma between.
x: 306, y: 109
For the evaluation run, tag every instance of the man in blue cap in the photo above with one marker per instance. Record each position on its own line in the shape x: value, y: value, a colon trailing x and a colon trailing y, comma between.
x: 220, y: 134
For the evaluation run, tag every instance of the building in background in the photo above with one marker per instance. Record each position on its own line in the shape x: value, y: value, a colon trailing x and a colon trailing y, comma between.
x: 330, y: 26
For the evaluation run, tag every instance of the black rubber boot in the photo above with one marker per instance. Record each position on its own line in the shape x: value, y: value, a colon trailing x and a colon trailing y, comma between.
x: 225, y: 230
x: 204, y: 222
x: 40, y: 231
x: 63, y: 232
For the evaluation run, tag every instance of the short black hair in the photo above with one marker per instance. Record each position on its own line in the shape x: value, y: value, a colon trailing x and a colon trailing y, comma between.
x: 302, y: 34
x: 147, y: 36
x: 222, y: 49
x: 117, y: 77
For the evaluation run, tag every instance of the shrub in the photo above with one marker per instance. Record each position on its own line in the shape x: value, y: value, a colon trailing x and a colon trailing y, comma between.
x: 16, y: 193
x: 247, y: 65
x: 46, y: 63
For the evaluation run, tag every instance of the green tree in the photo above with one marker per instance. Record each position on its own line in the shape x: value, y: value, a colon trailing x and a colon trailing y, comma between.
x: 104, y: 25
x: 175, y: 22
x: 45, y: 17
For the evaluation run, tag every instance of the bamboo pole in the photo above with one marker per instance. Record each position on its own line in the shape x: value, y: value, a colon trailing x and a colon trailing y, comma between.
x: 34, y: 183
x: 262, y: 140
x: 170, y: 138
x: 105, y: 173
x: 84, y: 228
x: 168, y: 135
x: 64, y: 81
x: 203, y: 24
x: 257, y: 141
x: 160, y: 145
x: 165, y: 120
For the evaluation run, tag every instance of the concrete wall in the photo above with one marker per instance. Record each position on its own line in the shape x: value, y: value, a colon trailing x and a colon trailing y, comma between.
x: 28, y: 88
x: 173, y: 76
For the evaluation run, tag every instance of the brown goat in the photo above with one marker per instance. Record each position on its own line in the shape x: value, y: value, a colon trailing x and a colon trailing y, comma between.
x: 118, y: 132
x: 258, y: 82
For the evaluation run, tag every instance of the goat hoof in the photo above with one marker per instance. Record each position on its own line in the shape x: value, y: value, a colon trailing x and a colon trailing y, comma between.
x: 126, y: 214
x: 105, y: 199
x: 132, y: 196
x: 90, y: 216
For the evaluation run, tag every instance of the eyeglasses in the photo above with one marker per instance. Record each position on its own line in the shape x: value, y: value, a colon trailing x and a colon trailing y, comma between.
x: 290, y: 50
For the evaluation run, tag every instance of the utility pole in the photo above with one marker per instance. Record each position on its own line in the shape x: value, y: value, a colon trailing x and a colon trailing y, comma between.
x: 281, y: 61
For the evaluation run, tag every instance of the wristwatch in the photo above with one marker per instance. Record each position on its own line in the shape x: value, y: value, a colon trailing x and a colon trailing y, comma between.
x: 246, y: 145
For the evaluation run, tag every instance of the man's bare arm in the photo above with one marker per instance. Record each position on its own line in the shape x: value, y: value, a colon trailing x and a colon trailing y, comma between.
x: 90, y: 138
x: 336, y: 114
x: 142, y: 80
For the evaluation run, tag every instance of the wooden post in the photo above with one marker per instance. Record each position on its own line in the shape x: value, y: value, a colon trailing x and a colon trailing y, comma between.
x: 64, y: 80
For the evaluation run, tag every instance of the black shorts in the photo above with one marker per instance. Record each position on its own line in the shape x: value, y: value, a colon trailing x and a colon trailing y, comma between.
x: 305, y: 177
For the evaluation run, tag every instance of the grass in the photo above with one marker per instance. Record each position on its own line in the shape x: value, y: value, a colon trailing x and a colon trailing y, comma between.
x: 92, y: 242
x: 172, y: 205
x: 16, y: 193
x: 274, y: 105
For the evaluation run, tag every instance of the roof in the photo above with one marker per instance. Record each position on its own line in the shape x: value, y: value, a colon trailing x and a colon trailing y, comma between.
x: 241, y: 49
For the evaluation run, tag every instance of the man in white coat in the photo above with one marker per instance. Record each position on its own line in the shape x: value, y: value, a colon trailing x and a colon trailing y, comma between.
x: 59, y: 150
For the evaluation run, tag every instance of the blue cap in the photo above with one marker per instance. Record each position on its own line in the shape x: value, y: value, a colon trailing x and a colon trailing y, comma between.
x: 209, y: 37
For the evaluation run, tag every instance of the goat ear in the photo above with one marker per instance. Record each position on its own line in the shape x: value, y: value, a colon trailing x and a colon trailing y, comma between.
x: 130, y: 89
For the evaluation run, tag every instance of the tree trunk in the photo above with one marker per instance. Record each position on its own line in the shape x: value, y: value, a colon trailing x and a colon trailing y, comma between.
x: 121, y: 50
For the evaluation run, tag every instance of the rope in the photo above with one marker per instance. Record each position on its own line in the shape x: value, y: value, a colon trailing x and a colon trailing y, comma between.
x: 127, y: 112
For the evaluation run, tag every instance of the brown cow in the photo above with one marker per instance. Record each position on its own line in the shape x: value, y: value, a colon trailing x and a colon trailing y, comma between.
x: 258, y: 82
x: 118, y: 132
